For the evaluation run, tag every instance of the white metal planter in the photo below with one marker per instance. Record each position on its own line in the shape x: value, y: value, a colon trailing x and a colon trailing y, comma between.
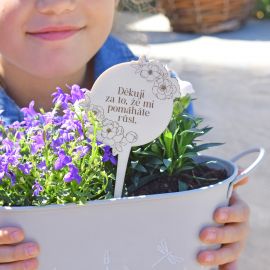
x: 140, y: 233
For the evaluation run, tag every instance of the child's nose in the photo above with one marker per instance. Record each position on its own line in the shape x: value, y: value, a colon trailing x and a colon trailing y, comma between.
x: 55, y: 7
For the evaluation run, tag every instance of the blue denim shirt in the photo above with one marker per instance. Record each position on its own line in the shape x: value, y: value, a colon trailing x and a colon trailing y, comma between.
x: 111, y: 53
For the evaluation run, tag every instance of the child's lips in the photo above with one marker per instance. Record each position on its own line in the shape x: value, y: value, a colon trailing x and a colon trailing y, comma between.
x: 53, y: 35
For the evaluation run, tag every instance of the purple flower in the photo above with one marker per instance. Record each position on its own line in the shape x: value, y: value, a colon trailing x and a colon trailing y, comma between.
x: 31, y: 117
x: 83, y: 150
x: 62, y: 160
x: 47, y: 118
x: 61, y: 98
x: 38, y: 143
x: 19, y: 136
x: 15, y: 125
x: 66, y: 136
x: 76, y: 93
x: 13, y: 157
x: 78, y: 124
x: 57, y: 120
x: 3, y: 170
x: 108, y: 156
x: 30, y: 111
x: 8, y: 145
x: 42, y: 165
x: 68, y: 115
x: 25, y: 168
x: 37, y: 188
x: 57, y: 143
x: 69, y: 123
x: 73, y: 174
x: 2, y: 175
x: 12, y: 177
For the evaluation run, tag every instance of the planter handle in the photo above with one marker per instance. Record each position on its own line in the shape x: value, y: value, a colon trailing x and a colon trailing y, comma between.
x: 245, y: 173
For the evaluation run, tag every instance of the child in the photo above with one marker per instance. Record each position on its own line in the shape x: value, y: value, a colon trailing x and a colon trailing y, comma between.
x: 49, y: 43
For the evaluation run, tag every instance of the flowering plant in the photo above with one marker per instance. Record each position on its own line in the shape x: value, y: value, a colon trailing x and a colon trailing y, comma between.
x: 172, y: 157
x: 60, y: 156
x: 53, y: 158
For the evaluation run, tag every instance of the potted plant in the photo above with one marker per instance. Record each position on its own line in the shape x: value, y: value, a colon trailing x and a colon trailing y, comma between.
x: 57, y: 183
x: 168, y: 164
x: 207, y: 17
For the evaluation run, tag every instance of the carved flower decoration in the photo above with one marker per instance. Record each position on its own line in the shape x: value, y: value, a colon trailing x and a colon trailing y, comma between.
x: 87, y: 105
x: 164, y: 89
x: 111, y: 132
x: 132, y: 137
x: 98, y: 112
x: 86, y: 102
x: 151, y: 72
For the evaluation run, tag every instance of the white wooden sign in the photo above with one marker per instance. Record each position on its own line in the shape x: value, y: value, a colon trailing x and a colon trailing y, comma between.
x: 134, y: 103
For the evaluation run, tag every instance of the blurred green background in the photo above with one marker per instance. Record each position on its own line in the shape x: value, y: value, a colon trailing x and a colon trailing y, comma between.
x: 262, y: 10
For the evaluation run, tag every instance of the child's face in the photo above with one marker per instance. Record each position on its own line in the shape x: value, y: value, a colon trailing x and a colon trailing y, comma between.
x: 49, y: 58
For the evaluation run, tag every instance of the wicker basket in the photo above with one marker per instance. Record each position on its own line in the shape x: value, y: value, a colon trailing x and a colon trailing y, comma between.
x: 137, y: 5
x: 207, y: 16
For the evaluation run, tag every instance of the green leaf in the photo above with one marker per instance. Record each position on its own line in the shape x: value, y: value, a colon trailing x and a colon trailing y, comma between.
x: 134, y: 164
x: 142, y: 181
x: 186, y: 100
x: 205, y: 146
x: 182, y: 186
x: 168, y: 139
x: 136, y: 150
x: 167, y: 162
x: 136, y: 180
x: 140, y: 168
x: 186, y: 168
x: 163, y: 169
x: 178, y: 108
x: 175, y: 141
x: 192, y: 131
x: 189, y: 155
x: 145, y: 153
x: 155, y: 161
x: 155, y: 149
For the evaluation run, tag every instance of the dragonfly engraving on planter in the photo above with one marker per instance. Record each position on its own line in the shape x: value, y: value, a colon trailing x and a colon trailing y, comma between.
x: 166, y: 255
x: 162, y: 248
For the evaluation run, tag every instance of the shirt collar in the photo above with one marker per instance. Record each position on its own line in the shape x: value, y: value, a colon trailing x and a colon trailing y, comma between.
x: 113, y: 52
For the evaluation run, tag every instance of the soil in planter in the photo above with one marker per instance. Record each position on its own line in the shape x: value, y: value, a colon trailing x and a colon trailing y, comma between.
x: 193, y: 179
